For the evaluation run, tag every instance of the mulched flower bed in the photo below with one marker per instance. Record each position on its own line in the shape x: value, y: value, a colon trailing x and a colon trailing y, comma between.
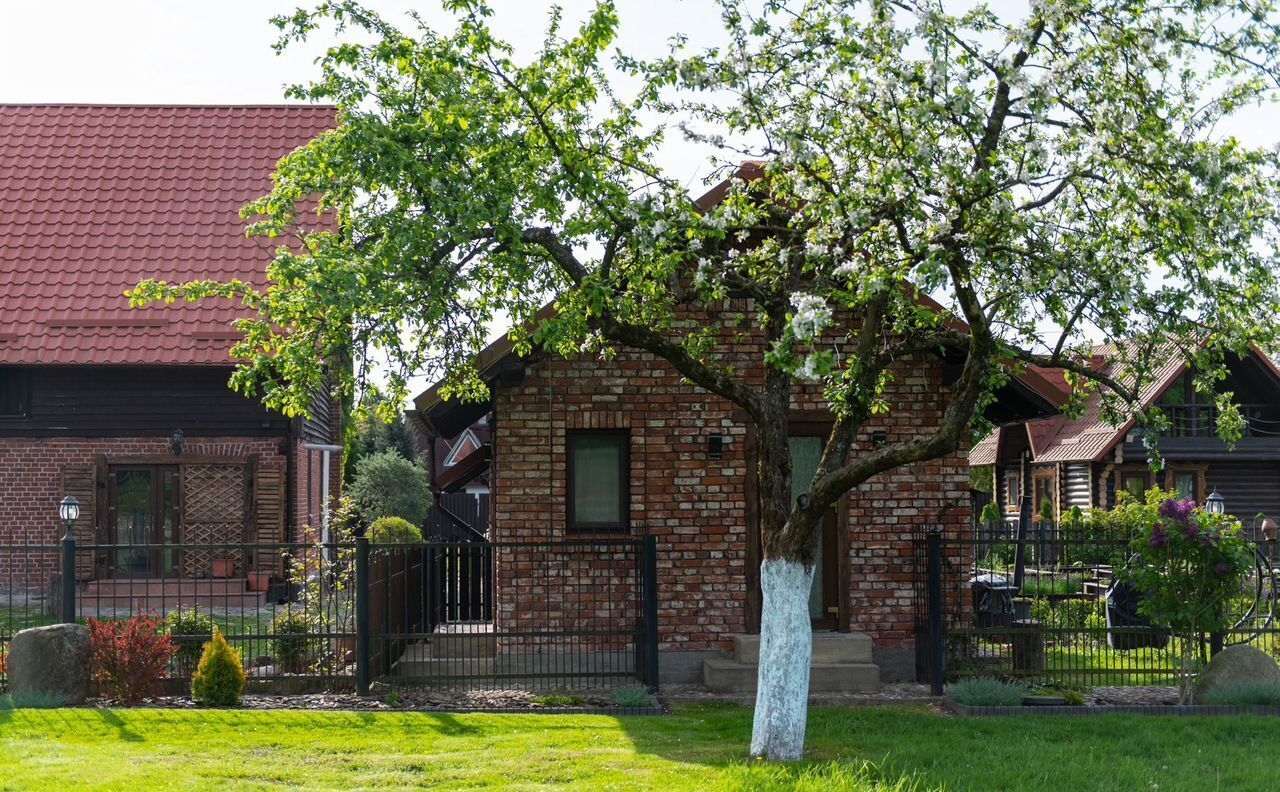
x: 414, y: 699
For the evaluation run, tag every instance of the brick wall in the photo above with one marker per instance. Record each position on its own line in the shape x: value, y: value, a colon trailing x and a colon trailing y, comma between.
x: 31, y: 482
x: 697, y: 506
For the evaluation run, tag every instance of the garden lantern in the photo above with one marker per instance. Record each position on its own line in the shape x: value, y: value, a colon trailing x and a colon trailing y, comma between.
x: 1214, y: 504
x: 69, y: 511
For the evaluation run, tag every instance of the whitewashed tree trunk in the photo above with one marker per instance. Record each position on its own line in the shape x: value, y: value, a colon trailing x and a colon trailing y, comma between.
x: 786, y: 647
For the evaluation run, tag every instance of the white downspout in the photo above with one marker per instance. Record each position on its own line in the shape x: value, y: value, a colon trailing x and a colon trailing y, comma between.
x: 325, y: 450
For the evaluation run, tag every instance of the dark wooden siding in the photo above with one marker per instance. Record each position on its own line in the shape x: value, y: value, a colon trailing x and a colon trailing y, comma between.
x: 321, y: 426
x: 1249, y: 488
x: 104, y: 401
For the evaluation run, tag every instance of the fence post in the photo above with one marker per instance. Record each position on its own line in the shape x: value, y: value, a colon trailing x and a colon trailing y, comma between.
x: 937, y: 620
x: 68, y: 578
x: 650, y: 584
x: 362, y: 615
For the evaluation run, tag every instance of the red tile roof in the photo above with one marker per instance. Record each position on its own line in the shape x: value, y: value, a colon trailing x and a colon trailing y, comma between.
x: 95, y: 198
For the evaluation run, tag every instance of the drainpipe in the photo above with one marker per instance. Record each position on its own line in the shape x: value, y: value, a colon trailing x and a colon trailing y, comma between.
x: 325, y: 450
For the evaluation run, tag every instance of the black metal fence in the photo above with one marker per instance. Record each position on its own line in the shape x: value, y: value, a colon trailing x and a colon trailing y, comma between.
x: 462, y: 616
x: 1049, y: 609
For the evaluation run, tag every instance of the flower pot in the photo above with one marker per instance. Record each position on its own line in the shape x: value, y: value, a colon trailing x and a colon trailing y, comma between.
x: 223, y: 567
x: 259, y: 581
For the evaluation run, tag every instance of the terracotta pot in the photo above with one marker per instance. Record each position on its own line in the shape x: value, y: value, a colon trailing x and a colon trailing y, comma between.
x: 259, y: 581
x: 223, y: 567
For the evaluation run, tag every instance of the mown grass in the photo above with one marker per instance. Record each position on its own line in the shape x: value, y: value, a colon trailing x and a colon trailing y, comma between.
x: 699, y: 748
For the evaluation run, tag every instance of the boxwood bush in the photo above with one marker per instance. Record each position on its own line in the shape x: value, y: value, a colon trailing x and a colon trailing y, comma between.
x: 190, y: 630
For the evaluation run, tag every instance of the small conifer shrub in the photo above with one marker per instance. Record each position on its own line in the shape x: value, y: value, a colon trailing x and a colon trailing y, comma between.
x: 219, y: 679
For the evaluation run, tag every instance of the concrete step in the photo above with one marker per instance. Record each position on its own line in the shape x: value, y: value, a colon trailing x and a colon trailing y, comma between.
x: 723, y: 675
x: 462, y: 645
x: 828, y: 648
x: 420, y: 666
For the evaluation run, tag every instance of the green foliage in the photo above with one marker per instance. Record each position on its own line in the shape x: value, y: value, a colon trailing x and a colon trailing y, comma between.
x: 1068, y: 614
x: 393, y: 530
x: 987, y: 692
x: 983, y: 479
x: 292, y: 639
x: 559, y: 700
x: 991, y: 514
x: 219, y: 679
x: 1246, y: 694
x: 388, y: 485
x: 190, y: 630
x: 632, y: 696
x: 381, y: 427
x: 1074, y: 698
x: 1036, y: 587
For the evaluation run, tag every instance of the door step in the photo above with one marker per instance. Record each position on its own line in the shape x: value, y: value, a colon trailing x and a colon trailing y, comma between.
x: 841, y: 664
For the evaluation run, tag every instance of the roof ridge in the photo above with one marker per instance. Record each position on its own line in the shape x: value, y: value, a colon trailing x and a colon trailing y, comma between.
x: 178, y: 105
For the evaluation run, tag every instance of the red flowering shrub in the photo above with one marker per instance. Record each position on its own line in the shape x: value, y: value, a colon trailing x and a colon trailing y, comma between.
x: 129, y: 657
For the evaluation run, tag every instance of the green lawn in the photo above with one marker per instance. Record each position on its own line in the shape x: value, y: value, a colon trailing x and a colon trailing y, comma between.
x: 701, y: 748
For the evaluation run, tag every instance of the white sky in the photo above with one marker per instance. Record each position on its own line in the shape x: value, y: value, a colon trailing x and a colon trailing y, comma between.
x: 219, y: 51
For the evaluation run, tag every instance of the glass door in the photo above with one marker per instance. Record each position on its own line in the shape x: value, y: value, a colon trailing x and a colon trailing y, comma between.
x: 824, y: 597
x: 144, y: 512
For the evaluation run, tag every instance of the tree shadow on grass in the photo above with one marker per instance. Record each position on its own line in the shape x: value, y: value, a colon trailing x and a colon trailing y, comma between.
x: 718, y: 736
x: 123, y: 731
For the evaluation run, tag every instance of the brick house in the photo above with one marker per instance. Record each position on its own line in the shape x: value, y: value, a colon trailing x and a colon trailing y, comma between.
x: 582, y: 447
x: 129, y: 410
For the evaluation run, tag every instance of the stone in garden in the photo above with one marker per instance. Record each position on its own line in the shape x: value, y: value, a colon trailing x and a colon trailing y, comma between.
x: 1233, y: 665
x: 52, y: 661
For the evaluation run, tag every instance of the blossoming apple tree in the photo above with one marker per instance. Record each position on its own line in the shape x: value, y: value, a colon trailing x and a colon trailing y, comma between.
x: 1054, y: 178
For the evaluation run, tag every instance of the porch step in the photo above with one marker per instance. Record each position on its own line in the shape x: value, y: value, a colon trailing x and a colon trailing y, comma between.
x: 88, y: 605
x: 829, y: 648
x: 723, y: 675
x: 126, y: 587
x: 167, y: 594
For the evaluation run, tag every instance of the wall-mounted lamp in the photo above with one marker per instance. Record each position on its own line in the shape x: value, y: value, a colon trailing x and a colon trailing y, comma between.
x: 175, y: 442
x: 715, y: 446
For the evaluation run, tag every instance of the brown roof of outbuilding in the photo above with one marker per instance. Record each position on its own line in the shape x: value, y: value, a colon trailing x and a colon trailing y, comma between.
x: 95, y: 198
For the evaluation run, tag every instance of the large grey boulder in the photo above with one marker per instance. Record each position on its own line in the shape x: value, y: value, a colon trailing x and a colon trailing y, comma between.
x: 50, y: 661
x: 1231, y: 666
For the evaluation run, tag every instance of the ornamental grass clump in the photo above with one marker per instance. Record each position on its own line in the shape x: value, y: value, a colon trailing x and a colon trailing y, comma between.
x: 1262, y: 693
x: 219, y: 679
x: 987, y: 692
x: 1187, y: 564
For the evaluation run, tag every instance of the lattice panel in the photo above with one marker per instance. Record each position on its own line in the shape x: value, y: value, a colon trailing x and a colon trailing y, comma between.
x: 213, y: 508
